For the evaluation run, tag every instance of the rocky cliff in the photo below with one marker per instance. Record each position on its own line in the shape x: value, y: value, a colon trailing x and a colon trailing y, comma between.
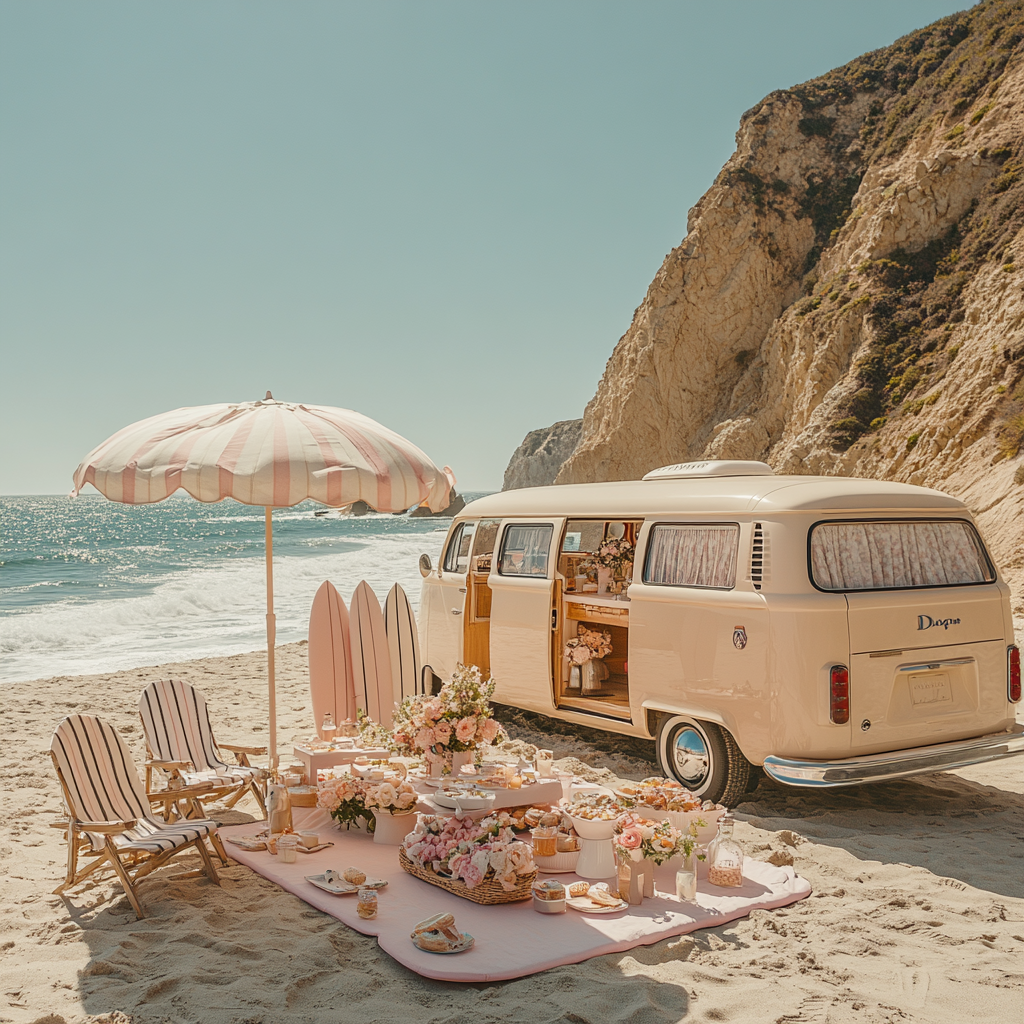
x: 849, y: 297
x: 536, y: 462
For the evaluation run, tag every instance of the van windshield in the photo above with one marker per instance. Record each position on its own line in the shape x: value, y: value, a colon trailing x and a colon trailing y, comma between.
x: 896, y: 555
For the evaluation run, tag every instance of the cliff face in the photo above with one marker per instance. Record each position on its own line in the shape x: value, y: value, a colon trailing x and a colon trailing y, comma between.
x: 536, y: 462
x: 847, y: 299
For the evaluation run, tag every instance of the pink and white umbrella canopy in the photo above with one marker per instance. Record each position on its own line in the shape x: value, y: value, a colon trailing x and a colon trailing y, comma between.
x: 268, y: 453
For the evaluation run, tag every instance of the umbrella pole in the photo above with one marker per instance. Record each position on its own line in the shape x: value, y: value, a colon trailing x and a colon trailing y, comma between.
x: 271, y: 634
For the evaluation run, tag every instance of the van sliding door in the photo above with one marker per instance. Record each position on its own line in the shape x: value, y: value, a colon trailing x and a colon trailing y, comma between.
x: 522, y: 605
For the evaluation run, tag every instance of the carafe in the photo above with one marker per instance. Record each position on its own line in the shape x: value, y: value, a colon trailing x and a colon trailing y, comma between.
x: 328, y: 729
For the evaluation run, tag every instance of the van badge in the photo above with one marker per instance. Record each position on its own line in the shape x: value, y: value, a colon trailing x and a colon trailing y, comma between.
x: 739, y: 638
x: 927, y: 622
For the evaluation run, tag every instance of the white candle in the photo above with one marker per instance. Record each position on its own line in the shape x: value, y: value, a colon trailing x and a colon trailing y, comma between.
x: 686, y: 885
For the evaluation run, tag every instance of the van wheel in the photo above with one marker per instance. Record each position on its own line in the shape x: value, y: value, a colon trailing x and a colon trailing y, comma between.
x: 704, y: 758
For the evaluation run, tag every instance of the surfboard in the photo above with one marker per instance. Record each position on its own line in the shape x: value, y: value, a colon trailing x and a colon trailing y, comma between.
x: 403, y: 644
x: 330, y: 660
x: 371, y: 660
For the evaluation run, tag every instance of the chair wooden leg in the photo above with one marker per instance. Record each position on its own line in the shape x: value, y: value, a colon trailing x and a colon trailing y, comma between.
x: 215, y: 842
x: 69, y: 878
x: 126, y: 882
x: 211, y: 871
x: 258, y: 793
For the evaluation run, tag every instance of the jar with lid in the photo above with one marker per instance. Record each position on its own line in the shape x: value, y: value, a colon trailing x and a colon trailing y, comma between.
x: 367, y: 905
x: 328, y: 729
x: 725, y: 856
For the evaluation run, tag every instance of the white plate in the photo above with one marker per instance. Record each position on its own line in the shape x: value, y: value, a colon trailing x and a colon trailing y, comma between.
x: 468, y: 803
x: 344, y: 888
x: 583, y: 904
x: 461, y: 947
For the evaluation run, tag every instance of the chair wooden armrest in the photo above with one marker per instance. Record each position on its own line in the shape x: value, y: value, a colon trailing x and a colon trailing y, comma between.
x: 104, y: 828
x: 157, y: 796
x: 237, y: 748
x: 167, y: 766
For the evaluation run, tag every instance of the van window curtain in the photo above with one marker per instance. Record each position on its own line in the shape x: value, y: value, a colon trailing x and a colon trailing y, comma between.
x: 524, y: 550
x: 692, y: 556
x: 897, y: 555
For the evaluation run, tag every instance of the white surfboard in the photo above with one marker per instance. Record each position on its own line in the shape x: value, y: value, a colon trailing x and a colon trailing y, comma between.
x: 330, y: 661
x: 403, y: 644
x: 371, y: 660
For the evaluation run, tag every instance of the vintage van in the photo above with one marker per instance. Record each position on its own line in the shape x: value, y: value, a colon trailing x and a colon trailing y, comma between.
x: 831, y: 630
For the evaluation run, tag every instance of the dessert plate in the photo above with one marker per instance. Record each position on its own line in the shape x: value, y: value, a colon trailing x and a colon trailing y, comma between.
x: 342, y: 888
x: 466, y: 801
x: 587, y: 906
x: 460, y: 947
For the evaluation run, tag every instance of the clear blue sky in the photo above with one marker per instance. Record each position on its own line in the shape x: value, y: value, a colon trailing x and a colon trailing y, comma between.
x: 440, y: 214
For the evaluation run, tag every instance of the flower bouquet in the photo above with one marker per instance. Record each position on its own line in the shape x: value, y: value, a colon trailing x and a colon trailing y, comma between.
x: 587, y: 644
x: 616, y: 555
x: 478, y: 860
x: 458, y: 720
x: 372, y: 735
x: 344, y: 798
x: 637, y: 839
x: 392, y: 804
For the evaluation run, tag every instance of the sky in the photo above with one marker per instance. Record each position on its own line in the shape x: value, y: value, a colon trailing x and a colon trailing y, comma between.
x: 442, y: 214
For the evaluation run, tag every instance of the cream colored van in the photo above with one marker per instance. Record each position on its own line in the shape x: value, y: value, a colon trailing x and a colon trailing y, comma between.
x: 831, y: 630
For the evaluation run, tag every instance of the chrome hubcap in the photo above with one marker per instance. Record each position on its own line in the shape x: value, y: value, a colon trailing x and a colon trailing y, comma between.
x: 691, y: 758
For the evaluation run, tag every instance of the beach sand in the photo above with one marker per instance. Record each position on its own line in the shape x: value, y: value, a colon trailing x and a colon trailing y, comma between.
x: 917, y: 912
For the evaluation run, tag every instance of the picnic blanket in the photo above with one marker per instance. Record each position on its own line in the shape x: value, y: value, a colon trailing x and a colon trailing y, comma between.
x: 512, y: 940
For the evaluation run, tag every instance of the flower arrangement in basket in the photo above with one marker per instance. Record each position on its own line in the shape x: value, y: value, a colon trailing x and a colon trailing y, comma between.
x: 469, y: 854
x: 637, y: 839
x: 587, y: 644
x: 458, y: 719
x: 344, y: 798
x: 616, y: 555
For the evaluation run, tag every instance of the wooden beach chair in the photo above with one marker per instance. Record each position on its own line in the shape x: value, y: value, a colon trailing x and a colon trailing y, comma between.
x: 180, y: 742
x: 110, y: 820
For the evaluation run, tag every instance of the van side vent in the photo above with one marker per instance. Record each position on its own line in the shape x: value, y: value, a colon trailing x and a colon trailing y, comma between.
x: 760, y: 562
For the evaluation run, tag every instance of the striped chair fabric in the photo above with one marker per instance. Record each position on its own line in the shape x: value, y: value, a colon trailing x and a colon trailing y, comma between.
x: 103, y: 784
x: 176, y: 720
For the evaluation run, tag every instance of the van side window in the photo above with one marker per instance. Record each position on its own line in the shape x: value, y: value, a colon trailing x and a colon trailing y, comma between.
x: 483, y: 545
x: 692, y: 556
x: 879, y: 555
x: 456, y: 558
x: 524, y: 550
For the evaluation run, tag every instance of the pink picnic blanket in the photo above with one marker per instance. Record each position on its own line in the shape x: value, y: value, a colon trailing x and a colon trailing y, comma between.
x: 512, y: 940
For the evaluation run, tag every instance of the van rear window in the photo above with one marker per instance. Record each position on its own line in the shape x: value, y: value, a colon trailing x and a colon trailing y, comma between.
x: 897, y: 555
x: 692, y: 556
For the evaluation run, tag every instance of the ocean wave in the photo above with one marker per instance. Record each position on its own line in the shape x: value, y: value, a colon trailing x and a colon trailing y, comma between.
x: 202, y: 611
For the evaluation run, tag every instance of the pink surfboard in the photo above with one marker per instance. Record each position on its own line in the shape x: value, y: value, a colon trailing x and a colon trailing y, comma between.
x: 371, y: 660
x: 331, y: 684
x: 403, y: 644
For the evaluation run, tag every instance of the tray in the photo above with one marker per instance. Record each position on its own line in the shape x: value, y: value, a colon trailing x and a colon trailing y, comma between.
x: 343, y: 888
x: 585, y: 906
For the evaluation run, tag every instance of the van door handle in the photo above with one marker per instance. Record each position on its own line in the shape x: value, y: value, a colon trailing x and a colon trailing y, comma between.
x: 456, y: 611
x: 554, y: 618
x: 462, y: 590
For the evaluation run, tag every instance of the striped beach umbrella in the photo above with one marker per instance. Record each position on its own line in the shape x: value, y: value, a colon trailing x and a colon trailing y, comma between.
x: 268, y: 453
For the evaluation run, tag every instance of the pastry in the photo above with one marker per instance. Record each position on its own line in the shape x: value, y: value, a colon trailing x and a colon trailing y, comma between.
x: 443, y: 924
x: 579, y: 888
x: 549, y: 889
x: 550, y: 818
x: 603, y: 898
x: 354, y: 876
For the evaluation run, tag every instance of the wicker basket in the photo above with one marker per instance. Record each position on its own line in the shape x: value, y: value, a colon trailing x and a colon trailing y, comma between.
x: 488, y: 892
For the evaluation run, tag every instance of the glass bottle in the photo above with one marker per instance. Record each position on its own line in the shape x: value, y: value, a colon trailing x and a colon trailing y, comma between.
x: 725, y: 856
x: 328, y: 729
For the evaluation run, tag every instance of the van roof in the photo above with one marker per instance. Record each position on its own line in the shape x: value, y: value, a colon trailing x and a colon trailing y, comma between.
x: 719, y: 495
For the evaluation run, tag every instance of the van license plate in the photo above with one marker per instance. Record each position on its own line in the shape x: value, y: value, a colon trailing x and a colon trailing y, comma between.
x: 930, y: 688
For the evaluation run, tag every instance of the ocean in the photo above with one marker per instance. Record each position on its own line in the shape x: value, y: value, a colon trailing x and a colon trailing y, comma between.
x: 89, y: 585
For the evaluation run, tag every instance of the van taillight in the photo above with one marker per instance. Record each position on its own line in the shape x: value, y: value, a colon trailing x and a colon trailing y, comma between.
x: 839, y: 694
x: 1013, y: 673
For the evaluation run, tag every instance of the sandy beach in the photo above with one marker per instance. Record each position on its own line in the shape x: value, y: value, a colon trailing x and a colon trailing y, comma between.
x: 917, y: 911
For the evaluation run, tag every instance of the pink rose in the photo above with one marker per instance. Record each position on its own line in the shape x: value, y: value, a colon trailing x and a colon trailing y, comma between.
x: 424, y: 739
x: 465, y: 730
x: 489, y: 730
x: 629, y: 839
x: 443, y: 732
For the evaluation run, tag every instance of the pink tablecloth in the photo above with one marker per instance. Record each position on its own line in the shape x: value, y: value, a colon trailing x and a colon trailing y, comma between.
x: 512, y: 940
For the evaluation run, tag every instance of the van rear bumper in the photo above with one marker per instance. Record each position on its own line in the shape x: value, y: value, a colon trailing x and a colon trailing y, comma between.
x: 896, y: 764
